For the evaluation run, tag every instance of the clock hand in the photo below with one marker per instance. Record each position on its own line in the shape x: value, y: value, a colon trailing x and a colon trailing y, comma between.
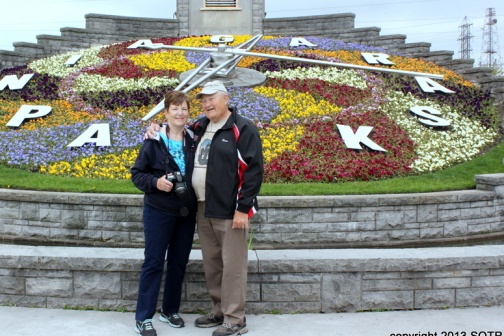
x: 342, y: 65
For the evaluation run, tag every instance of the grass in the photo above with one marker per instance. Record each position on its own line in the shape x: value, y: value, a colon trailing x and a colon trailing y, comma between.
x: 458, y: 177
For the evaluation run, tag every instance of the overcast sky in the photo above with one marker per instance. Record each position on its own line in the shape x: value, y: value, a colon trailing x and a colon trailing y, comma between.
x: 435, y: 21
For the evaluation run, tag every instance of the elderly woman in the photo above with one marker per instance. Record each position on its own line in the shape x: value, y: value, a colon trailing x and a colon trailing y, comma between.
x: 163, y: 171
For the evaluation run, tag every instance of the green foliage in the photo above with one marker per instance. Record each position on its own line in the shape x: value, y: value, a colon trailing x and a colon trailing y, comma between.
x: 458, y: 177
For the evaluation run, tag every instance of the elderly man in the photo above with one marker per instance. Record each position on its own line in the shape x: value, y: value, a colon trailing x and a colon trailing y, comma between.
x: 228, y: 172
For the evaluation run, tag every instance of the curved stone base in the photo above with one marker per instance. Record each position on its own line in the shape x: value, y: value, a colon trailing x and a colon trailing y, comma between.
x: 286, y: 222
x: 287, y: 281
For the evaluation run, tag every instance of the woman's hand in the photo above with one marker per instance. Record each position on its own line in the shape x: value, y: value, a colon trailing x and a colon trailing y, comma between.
x: 163, y: 184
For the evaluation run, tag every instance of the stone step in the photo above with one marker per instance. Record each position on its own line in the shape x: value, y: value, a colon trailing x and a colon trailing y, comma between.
x: 290, y: 281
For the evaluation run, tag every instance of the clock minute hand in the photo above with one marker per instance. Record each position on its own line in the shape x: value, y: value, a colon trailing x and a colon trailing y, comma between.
x: 342, y: 65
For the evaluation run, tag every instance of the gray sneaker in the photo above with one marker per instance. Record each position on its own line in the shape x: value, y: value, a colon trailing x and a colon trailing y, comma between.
x: 145, y: 328
x: 228, y: 329
x: 209, y: 321
x: 172, y: 319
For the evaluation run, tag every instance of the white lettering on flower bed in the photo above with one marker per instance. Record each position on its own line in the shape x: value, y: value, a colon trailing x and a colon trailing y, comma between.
x: 28, y: 112
x: 15, y: 83
x: 377, y: 58
x: 299, y: 41
x: 144, y: 44
x: 353, y: 140
x: 428, y: 85
x: 98, y: 134
x: 222, y: 39
x: 428, y: 117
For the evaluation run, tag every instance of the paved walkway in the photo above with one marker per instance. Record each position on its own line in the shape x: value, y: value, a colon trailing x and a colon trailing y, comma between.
x: 485, y: 321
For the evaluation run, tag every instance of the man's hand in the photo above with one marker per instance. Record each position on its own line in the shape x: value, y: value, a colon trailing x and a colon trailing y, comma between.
x: 151, y: 131
x: 240, y: 220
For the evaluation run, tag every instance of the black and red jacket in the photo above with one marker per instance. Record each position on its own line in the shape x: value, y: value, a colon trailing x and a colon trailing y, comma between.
x: 235, y: 167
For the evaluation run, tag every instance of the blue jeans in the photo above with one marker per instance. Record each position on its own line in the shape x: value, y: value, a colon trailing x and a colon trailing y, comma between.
x: 163, y: 233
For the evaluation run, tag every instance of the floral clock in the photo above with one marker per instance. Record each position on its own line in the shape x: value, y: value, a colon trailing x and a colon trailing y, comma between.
x: 80, y: 114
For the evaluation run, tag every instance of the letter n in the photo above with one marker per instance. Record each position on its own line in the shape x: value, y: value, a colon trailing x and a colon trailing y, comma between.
x: 14, y: 83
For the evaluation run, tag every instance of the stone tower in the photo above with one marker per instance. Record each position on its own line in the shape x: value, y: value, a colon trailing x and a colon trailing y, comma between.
x: 215, y: 17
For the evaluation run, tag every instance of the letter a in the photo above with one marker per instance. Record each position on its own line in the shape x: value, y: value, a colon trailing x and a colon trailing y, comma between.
x: 353, y: 140
x: 299, y: 41
x: 144, y: 44
x: 14, y: 83
x: 428, y: 85
x: 97, y: 133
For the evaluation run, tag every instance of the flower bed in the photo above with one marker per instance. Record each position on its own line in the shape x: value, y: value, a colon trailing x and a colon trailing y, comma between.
x: 297, y: 111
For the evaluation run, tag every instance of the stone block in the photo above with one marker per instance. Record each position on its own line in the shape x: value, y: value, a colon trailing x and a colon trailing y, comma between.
x: 427, y: 213
x: 93, y: 235
x: 284, y: 292
x: 449, y: 215
x: 396, y: 284
x: 474, y: 297
x: 197, y: 291
x: 280, y: 228
x: 387, y: 300
x: 253, y: 292
x: 130, y: 289
x: 23, y: 301
x: 64, y: 234
x: 434, y: 299
x: 389, y: 220
x: 488, y: 281
x: 451, y: 283
x: 299, y: 278
x: 115, y: 236
x: 431, y: 233
x: 91, y: 285
x: 12, y: 285
x: 404, y: 234
x: 341, y: 292
x: 455, y: 228
x: 331, y: 217
x: 49, y: 287
x: 313, y: 227
x: 30, y: 211
x: 289, y: 216
x: 282, y: 307
x: 73, y: 219
x: 470, y: 213
x: 72, y: 303
x: 352, y: 226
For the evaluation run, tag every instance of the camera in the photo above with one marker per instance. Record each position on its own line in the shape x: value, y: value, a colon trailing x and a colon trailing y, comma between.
x: 179, y: 184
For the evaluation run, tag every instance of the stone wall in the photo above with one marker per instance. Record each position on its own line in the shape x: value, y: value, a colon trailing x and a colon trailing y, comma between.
x: 399, y: 220
x: 286, y: 281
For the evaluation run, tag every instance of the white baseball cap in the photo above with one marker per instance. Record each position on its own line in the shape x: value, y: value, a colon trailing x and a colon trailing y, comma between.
x: 211, y: 88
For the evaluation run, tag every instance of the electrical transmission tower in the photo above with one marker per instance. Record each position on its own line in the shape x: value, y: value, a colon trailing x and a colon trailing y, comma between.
x: 490, y: 55
x: 465, y: 38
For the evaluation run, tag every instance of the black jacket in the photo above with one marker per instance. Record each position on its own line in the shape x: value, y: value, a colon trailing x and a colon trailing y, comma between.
x: 154, y: 161
x: 232, y: 184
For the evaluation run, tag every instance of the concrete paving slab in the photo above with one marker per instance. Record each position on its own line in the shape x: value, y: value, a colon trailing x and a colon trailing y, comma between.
x: 483, y: 321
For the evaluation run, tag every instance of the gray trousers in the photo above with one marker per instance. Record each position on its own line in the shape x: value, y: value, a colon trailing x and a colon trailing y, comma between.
x: 225, y: 261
